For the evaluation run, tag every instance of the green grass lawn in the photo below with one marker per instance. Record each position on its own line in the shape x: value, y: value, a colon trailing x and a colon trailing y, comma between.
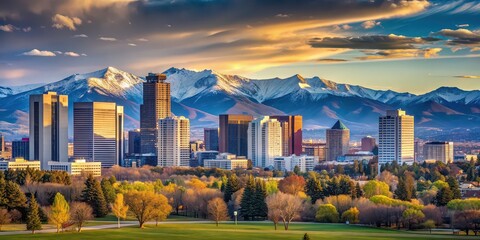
x: 241, y: 231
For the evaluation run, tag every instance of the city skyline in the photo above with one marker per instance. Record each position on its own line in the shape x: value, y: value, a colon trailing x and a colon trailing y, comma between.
x: 410, y: 45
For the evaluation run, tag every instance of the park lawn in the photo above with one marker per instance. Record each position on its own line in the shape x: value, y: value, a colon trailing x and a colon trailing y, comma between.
x: 241, y: 231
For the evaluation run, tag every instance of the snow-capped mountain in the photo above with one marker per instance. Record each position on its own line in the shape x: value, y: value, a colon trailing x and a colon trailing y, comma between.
x: 12, y: 90
x: 202, y: 95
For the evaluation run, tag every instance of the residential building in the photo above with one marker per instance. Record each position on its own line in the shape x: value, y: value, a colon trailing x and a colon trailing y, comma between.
x: 134, y: 142
x: 20, y: 149
x: 368, y: 143
x: 338, y: 139
x: 264, y: 141
x: 287, y: 163
x: 227, y: 161
x: 439, y: 151
x: 233, y: 136
x: 317, y: 150
x: 77, y: 167
x: 173, y: 142
x: 156, y: 105
x: 48, y: 120
x: 19, y: 164
x: 396, y: 138
x: 210, y: 138
x: 98, y: 132
x: 292, y: 134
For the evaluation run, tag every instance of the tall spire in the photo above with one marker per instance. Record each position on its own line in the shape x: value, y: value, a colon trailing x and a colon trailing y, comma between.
x: 339, y: 125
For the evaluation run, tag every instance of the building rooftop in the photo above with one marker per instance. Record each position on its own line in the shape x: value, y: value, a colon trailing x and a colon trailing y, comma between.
x: 339, y: 125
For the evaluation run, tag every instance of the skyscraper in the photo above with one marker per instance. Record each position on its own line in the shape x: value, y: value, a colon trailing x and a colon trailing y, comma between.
x: 396, y: 138
x: 338, y: 139
x: 48, y: 128
x: 210, y: 139
x: 368, y: 143
x: 439, y: 151
x: 98, y: 132
x: 264, y: 141
x: 2, y: 143
x: 20, y: 149
x: 233, y: 133
x: 156, y: 105
x: 173, y: 142
x: 134, y: 142
x: 292, y: 134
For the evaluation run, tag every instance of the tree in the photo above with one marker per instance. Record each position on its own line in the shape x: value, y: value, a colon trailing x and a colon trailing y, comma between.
x: 231, y: 187
x: 247, y: 205
x: 4, y: 217
x: 261, y: 208
x: 358, y: 190
x: 292, y: 184
x: 145, y: 205
x: 14, y: 196
x: 327, y: 213
x: 33, y: 218
x: 297, y: 170
x: 80, y: 212
x: 283, y: 206
x: 119, y: 209
x: 59, y: 212
x: 412, y: 216
x: 108, y: 190
x: 93, y: 195
x: 454, y: 186
x: 443, y: 196
x: 217, y: 210
x: 374, y: 187
x: 306, y: 237
x: 351, y: 215
x: 429, y: 224
x: 314, y: 189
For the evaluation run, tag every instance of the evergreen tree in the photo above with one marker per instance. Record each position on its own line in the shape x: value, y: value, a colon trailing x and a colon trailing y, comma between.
x: 3, y: 199
x: 296, y: 170
x: 306, y: 237
x: 314, y: 189
x: 14, y: 196
x: 108, y: 191
x: 248, y: 199
x: 260, y: 205
x: 33, y: 216
x: 443, y: 196
x: 454, y: 186
x: 401, y: 191
x: 231, y: 187
x: 93, y: 195
x: 410, y: 186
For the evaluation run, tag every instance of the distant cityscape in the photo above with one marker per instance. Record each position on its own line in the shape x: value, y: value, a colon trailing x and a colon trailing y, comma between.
x: 240, y: 141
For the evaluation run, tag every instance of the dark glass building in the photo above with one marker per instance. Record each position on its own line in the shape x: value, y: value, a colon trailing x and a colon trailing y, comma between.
x: 20, y: 149
x: 134, y: 142
x: 210, y: 139
x: 233, y: 137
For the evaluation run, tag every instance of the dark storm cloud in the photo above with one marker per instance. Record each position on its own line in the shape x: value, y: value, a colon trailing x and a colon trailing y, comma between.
x: 371, y: 42
x: 462, y: 37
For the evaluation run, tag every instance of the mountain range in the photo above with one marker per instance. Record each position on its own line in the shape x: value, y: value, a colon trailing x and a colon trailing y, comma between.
x: 447, y: 113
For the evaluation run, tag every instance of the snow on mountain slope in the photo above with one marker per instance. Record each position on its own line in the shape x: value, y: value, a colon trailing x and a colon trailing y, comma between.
x: 12, y: 90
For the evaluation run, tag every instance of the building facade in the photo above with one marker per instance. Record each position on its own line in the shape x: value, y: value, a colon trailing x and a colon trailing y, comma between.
x: 173, y: 142
x: 233, y: 137
x: 338, y: 140
x: 156, y: 105
x: 19, y: 164
x: 210, y: 138
x: 318, y: 150
x: 98, y: 132
x: 368, y: 143
x: 264, y: 141
x: 396, y: 138
x: 20, y: 149
x: 292, y: 134
x: 48, y: 118
x: 134, y: 142
x: 77, y: 167
x: 287, y: 163
x: 227, y: 161
x: 201, y: 156
x: 439, y: 151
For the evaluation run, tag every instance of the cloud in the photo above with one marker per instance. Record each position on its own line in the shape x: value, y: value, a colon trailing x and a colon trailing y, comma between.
x: 370, y: 24
x: 39, y: 53
x: 142, y: 40
x: 80, y: 36
x: 280, y: 15
x: 462, y: 25
x: 332, y: 60
x: 7, y: 28
x: 27, y: 29
x: 400, y: 53
x: 468, y: 76
x: 13, y: 73
x: 61, y: 21
x: 72, y: 54
x: 391, y: 41
x: 460, y: 36
x: 110, y: 39
x: 132, y: 44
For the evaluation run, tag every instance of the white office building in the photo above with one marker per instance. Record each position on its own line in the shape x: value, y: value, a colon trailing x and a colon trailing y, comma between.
x: 396, y: 138
x: 288, y: 163
x: 48, y: 128
x: 264, y: 141
x: 19, y: 164
x: 227, y: 161
x: 77, y: 167
x: 438, y: 151
x: 173, y: 142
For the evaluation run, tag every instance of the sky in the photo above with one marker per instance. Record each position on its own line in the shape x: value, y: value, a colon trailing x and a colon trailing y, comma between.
x: 403, y: 45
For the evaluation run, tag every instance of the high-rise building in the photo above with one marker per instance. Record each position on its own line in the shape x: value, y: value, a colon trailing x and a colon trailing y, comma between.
x: 233, y: 134
x: 20, y: 149
x: 439, y: 151
x: 2, y: 143
x: 48, y: 128
x: 264, y: 141
x: 210, y: 138
x: 318, y: 150
x: 368, y: 143
x: 338, y: 139
x: 134, y: 142
x: 173, y: 142
x: 98, y: 132
x: 292, y: 134
x: 156, y: 105
x: 396, y: 138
